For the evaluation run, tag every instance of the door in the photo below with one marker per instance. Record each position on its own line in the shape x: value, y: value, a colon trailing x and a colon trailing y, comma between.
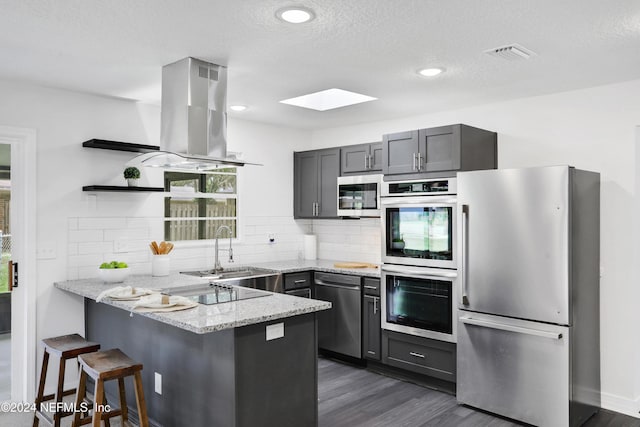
x: 329, y: 171
x: 354, y: 158
x: 515, y: 368
x: 5, y: 272
x: 399, y: 153
x: 371, y: 338
x: 19, y: 246
x: 515, y: 242
x: 305, y: 183
x: 440, y: 149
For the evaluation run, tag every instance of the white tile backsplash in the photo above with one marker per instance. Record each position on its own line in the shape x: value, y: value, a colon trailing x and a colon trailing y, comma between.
x: 94, y: 240
x: 349, y: 240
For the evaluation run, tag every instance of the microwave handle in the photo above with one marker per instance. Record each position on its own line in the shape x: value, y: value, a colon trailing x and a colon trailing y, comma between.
x: 463, y: 252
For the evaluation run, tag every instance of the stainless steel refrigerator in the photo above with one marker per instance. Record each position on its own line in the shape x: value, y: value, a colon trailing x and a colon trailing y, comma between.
x: 528, y: 324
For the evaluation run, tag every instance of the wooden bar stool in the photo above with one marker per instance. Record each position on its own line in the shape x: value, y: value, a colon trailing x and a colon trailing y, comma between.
x: 104, y: 366
x: 65, y: 347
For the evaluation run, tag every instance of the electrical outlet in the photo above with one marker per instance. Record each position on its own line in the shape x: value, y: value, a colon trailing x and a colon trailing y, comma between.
x: 120, y: 246
x: 158, y: 383
x: 46, y: 250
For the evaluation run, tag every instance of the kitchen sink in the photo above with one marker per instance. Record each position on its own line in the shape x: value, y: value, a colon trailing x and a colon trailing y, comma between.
x: 248, y: 277
x: 215, y: 293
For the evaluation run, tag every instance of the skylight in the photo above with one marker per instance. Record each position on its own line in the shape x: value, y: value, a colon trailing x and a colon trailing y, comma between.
x: 328, y: 99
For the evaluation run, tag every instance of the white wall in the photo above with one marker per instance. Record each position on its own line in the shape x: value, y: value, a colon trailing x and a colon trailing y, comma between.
x: 84, y: 229
x: 592, y: 129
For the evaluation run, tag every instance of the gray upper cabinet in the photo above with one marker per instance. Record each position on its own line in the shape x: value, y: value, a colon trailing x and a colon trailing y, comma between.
x: 361, y: 159
x: 399, y: 153
x: 315, y: 175
x: 440, y: 151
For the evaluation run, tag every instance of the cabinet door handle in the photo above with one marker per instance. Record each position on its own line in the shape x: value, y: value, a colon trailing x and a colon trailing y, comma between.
x: 415, y: 161
x: 375, y: 288
x: 366, y: 162
x: 300, y: 281
x: 375, y: 303
x: 414, y: 354
x: 371, y: 161
x: 419, y: 161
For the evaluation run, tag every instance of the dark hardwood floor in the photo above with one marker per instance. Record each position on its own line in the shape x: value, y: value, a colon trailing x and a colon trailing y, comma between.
x: 352, y: 396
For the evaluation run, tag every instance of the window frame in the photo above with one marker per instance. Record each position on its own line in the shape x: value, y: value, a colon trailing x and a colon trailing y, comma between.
x: 201, y: 197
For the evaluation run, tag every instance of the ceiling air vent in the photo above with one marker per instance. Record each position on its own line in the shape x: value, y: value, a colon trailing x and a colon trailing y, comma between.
x: 511, y: 52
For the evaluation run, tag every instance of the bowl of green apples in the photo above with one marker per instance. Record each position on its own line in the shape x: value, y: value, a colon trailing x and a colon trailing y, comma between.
x: 113, y: 272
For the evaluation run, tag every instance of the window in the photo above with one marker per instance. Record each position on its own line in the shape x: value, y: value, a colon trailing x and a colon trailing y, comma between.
x: 200, y: 203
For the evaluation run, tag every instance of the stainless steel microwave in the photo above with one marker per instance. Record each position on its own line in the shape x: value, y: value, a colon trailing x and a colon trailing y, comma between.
x: 359, y: 196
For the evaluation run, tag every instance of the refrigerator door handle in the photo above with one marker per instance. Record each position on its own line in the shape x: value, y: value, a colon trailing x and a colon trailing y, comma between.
x: 511, y: 328
x: 463, y: 253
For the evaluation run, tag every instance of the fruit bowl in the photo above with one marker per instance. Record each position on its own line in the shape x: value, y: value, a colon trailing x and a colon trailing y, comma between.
x: 113, y: 275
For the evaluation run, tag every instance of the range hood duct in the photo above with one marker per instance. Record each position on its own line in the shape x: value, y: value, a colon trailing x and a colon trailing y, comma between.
x: 193, y: 116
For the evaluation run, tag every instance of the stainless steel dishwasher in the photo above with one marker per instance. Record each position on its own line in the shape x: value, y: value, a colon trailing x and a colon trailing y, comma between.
x: 340, y: 329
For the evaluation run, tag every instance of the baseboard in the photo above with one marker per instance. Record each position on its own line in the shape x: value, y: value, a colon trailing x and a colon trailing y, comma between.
x: 622, y: 405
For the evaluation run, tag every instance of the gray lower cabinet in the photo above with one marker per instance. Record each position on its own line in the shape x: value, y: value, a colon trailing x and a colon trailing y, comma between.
x: 371, y: 319
x: 439, y: 151
x: 421, y: 355
x: 361, y: 158
x: 315, y: 183
x: 223, y: 378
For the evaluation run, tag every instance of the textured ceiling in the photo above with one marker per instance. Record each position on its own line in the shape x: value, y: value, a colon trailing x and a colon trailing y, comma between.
x: 374, y: 47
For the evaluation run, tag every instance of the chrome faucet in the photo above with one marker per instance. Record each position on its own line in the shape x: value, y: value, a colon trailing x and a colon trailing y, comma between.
x: 216, y: 266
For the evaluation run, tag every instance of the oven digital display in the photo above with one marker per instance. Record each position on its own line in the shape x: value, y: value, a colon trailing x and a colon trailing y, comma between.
x: 419, y: 187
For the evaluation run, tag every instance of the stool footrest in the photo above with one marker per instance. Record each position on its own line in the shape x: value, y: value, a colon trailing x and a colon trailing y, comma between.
x: 53, y: 395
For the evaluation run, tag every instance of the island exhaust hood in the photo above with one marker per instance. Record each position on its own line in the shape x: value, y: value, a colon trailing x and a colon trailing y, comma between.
x: 193, y: 134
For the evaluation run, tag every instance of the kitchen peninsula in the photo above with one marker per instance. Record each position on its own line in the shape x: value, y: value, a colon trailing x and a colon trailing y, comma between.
x: 241, y: 363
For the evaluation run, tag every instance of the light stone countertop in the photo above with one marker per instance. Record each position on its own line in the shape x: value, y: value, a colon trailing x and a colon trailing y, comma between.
x: 203, y: 318
x: 317, y: 265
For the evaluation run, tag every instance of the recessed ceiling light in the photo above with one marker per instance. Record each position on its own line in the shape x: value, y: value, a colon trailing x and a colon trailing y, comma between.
x: 238, y: 107
x: 328, y: 99
x: 430, y: 72
x: 295, y: 14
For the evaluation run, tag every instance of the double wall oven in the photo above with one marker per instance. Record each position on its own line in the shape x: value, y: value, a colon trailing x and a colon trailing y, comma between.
x: 419, y: 255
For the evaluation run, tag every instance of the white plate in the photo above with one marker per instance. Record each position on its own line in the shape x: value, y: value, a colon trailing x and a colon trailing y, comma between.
x: 157, y: 305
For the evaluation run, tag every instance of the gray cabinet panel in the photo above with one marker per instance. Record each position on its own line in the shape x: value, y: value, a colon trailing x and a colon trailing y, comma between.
x: 371, y: 339
x: 421, y: 355
x: 297, y: 280
x: 376, y: 157
x: 315, y: 175
x: 305, y: 167
x: 329, y: 171
x: 354, y: 158
x: 399, y: 150
x: 440, y: 151
x: 361, y: 158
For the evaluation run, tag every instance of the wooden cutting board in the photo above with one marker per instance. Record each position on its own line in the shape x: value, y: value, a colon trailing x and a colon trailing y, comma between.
x: 354, y: 265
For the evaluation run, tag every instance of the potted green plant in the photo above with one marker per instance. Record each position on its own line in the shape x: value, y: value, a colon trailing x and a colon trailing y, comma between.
x: 397, y: 243
x: 132, y: 174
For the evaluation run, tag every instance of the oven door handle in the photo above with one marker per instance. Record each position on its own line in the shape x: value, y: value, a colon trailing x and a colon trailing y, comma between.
x: 422, y: 272
x: 427, y: 201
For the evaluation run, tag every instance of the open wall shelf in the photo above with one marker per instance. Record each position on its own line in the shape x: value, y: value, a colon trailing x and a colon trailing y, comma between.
x: 122, y: 188
x: 120, y: 146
